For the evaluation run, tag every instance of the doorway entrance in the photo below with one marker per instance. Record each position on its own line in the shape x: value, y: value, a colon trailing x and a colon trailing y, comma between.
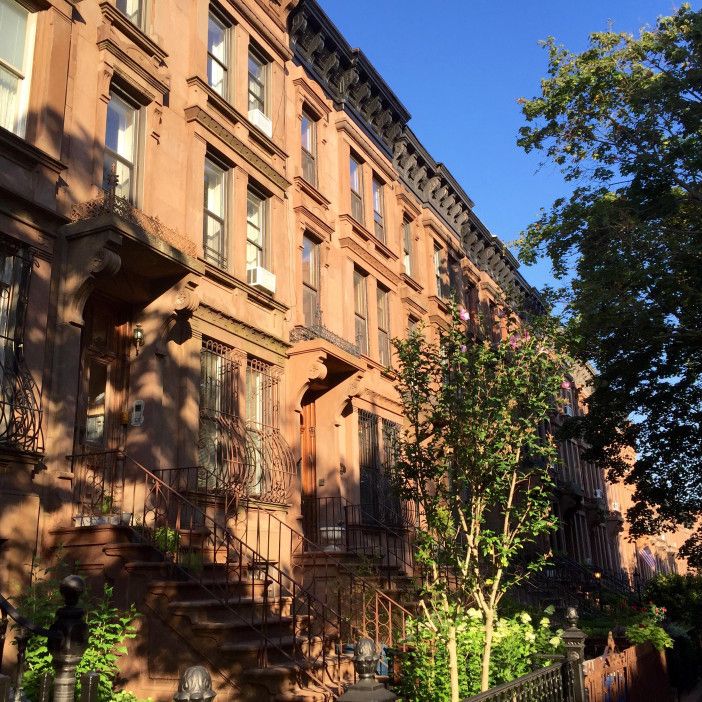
x: 308, y: 478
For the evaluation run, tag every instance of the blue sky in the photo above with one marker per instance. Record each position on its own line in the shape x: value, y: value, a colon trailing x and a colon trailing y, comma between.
x: 459, y: 67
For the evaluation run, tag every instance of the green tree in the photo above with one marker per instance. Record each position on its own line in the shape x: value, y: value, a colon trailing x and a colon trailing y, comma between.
x: 622, y: 121
x: 473, y: 459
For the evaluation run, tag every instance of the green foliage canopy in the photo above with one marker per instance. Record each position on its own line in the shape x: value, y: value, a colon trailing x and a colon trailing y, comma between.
x: 622, y: 121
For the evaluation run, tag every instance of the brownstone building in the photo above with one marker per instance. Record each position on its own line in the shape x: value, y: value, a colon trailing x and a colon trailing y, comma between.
x: 213, y: 218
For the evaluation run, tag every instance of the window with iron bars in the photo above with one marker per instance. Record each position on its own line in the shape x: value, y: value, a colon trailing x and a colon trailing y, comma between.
x: 20, y: 400
x: 378, y: 451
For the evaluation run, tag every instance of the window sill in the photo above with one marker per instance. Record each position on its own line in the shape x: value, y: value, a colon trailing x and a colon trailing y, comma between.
x: 16, y: 148
x: 137, y: 36
x: 367, y: 235
x: 312, y: 192
x: 410, y: 282
x: 234, y: 283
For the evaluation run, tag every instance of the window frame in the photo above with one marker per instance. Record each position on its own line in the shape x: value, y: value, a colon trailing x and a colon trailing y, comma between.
x: 439, y: 259
x: 309, y: 158
x: 384, y: 346
x: 252, y: 191
x: 377, y: 186
x: 219, y: 258
x: 17, y: 118
x: 140, y: 12
x: 218, y: 17
x: 360, y: 309
x: 133, y: 166
x: 407, y: 246
x: 311, y: 283
x: 357, y: 204
x: 259, y: 57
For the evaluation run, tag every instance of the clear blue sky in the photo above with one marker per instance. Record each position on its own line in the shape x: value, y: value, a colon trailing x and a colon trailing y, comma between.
x: 459, y: 67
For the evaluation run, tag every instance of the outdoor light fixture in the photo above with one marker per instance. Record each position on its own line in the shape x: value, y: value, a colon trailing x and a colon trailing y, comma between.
x: 597, y: 573
x: 138, y: 337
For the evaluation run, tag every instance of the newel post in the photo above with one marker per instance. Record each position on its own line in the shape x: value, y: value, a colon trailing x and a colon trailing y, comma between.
x: 195, y: 686
x: 68, y: 638
x: 574, y: 640
x: 367, y: 689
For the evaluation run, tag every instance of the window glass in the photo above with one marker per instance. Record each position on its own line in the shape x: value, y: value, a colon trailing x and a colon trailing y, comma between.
x: 407, y: 246
x: 309, y: 148
x: 257, y: 83
x: 214, y: 216
x: 217, y: 59
x: 97, y: 390
x: 132, y: 9
x: 310, y: 281
x: 355, y: 175
x: 15, y: 64
x: 383, y: 326
x: 120, y: 145
x: 438, y: 270
x: 378, y: 209
x: 356, y: 190
x: 13, y: 33
x: 360, y: 310
x: 255, y: 230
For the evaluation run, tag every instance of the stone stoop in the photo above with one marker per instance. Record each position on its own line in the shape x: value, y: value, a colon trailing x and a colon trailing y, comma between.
x: 213, y: 621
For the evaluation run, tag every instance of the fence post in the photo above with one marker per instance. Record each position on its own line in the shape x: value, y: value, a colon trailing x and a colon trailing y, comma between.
x: 68, y: 638
x: 195, y: 684
x: 574, y: 640
x: 4, y: 688
x: 367, y: 689
x: 89, y: 686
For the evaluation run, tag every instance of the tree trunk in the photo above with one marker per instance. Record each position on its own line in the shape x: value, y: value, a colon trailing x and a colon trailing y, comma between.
x: 453, y: 664
x: 487, y: 651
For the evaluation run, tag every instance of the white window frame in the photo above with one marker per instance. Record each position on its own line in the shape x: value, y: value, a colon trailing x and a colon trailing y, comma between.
x: 133, y: 165
x: 223, y: 63
x: 407, y: 246
x: 259, y: 58
x: 23, y: 74
x: 378, y: 208
x: 384, y: 345
x: 140, y: 11
x: 218, y: 258
x: 262, y: 245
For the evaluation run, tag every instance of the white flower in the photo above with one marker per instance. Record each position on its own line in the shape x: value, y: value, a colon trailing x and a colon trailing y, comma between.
x: 544, y: 622
x: 530, y: 636
x: 555, y: 641
x: 524, y: 617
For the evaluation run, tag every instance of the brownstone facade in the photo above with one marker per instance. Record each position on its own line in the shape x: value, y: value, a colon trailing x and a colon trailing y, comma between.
x: 214, y: 217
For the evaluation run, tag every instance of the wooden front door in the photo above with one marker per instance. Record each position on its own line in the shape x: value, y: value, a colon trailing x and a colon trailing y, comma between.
x: 104, y: 377
x: 308, y: 445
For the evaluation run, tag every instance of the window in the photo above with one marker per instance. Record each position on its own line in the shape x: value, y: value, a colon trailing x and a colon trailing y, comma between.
x: 356, y: 190
x: 439, y: 271
x: 121, y: 142
x: 412, y: 325
x: 132, y: 9
x: 215, y: 225
x: 310, y: 280
x: 455, y: 281
x: 256, y: 229
x: 360, y: 310
x: 257, y: 81
x: 407, y: 246
x: 471, y: 302
x: 309, y: 148
x: 378, y: 209
x: 16, y: 54
x: 217, y: 54
x: 384, y: 326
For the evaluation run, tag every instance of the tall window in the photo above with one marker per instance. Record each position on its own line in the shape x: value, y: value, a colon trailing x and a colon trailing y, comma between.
x: 309, y: 148
x: 16, y: 49
x: 360, y: 299
x: 407, y: 246
x: 455, y: 281
x: 215, y: 227
x: 439, y: 271
x: 378, y: 225
x: 256, y: 229
x: 121, y: 145
x: 356, y: 189
x: 257, y: 81
x: 383, y: 326
x: 133, y: 10
x: 217, y: 54
x: 310, y: 280
x: 471, y: 302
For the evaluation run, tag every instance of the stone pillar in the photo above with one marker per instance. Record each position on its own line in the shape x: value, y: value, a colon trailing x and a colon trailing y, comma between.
x: 367, y: 689
x: 68, y: 638
x: 574, y: 640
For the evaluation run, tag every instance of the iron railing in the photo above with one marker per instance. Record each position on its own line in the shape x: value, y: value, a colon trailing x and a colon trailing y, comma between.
x: 20, y: 403
x: 111, y: 203
x: 317, y: 330
x: 545, y: 685
x: 326, y: 608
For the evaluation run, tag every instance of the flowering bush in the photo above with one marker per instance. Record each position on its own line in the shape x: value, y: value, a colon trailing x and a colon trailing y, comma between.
x: 517, y: 639
x: 647, y: 627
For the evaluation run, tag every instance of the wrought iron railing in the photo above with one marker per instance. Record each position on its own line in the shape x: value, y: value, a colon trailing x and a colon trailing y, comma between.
x: 111, y: 203
x: 545, y: 685
x: 20, y: 403
x: 315, y: 329
x: 326, y: 609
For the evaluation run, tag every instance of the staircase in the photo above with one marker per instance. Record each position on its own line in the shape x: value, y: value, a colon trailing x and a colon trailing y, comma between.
x: 270, y: 628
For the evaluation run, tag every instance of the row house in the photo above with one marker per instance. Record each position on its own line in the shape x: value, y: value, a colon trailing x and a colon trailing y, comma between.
x: 214, y: 218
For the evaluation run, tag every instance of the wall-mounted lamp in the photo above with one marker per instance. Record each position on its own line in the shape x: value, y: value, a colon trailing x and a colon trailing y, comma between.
x: 138, y: 337
x: 597, y: 573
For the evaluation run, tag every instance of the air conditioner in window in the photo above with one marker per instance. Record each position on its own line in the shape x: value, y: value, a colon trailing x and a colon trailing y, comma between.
x: 261, y: 278
x: 258, y: 119
x: 598, y: 493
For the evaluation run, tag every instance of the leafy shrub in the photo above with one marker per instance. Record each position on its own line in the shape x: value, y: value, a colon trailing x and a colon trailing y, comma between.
x: 648, y: 628
x: 517, y: 640
x: 166, y: 539
x: 108, y: 630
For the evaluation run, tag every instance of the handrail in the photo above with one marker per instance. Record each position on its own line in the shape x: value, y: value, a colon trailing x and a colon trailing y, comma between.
x: 522, y: 688
x: 9, y: 610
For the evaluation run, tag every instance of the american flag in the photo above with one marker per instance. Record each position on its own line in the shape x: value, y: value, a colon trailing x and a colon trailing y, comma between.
x: 647, y: 558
